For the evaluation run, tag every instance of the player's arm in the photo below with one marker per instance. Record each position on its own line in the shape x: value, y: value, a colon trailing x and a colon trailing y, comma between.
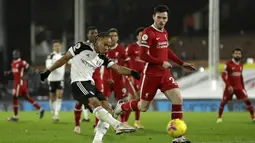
x: 28, y: 70
x: 146, y: 42
x: 224, y: 75
x: 120, y: 69
x: 74, y: 50
x: 172, y: 56
x: 242, y: 78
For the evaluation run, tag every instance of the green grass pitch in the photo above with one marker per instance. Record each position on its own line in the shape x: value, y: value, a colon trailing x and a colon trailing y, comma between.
x: 202, y: 128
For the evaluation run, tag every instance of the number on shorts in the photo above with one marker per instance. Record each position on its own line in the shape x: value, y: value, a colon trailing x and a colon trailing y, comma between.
x: 173, y: 81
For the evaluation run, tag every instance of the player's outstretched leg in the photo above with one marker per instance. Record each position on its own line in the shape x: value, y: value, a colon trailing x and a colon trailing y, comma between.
x: 77, y: 116
x: 101, y: 130
x: 250, y: 108
x: 85, y: 114
x: 105, y: 116
x: 221, y: 109
x: 36, y: 105
x: 15, y: 103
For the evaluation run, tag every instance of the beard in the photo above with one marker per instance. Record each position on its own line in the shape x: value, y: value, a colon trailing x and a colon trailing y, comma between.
x: 237, y: 59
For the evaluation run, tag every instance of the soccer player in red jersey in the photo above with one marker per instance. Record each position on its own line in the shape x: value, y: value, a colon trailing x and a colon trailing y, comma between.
x: 117, y: 53
x: 20, y: 69
x: 156, y: 74
x: 133, y: 52
x: 233, y: 78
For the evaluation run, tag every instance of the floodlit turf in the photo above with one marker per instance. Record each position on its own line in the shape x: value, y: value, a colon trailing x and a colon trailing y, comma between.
x: 202, y: 128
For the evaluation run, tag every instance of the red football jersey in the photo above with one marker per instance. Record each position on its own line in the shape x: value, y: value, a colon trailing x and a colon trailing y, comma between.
x: 119, y: 56
x: 154, y: 42
x: 133, y: 52
x: 232, y: 74
x: 18, y: 68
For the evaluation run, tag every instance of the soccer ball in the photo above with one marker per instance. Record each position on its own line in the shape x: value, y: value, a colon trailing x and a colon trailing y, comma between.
x: 176, y: 128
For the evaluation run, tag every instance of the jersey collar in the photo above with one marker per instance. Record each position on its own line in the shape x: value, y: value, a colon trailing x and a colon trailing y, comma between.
x: 17, y: 60
x: 153, y: 26
x: 115, y: 46
x: 233, y: 60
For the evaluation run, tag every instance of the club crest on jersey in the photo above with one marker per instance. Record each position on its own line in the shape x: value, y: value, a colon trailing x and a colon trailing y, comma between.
x: 145, y: 37
x: 116, y: 54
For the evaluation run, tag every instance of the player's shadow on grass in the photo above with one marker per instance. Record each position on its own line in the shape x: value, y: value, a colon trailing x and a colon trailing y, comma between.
x: 144, y: 132
x: 61, y: 123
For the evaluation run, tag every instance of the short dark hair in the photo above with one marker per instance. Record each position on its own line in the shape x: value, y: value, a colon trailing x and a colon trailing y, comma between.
x: 55, y: 41
x: 237, y: 49
x: 138, y: 30
x: 113, y: 30
x: 91, y: 28
x: 160, y: 9
x: 102, y: 35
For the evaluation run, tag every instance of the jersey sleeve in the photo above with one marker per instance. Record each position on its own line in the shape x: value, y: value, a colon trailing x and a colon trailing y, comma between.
x: 224, y: 75
x: 174, y: 58
x: 145, y: 44
x: 25, y: 64
x: 107, y: 62
x: 49, y: 61
x: 79, y: 47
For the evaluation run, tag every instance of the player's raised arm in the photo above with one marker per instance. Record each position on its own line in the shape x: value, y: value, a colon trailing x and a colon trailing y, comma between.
x: 146, y: 41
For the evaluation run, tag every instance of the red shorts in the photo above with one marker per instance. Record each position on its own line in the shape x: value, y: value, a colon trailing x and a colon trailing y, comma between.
x: 133, y: 85
x: 118, y: 87
x: 240, y: 94
x: 106, y: 88
x: 19, y: 90
x: 150, y: 85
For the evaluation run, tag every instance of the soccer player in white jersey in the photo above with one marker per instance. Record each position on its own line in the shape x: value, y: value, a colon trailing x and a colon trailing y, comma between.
x: 55, y: 80
x: 85, y: 59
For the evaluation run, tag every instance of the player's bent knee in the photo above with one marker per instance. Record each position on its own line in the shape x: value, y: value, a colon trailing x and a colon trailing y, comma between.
x: 93, y: 102
x: 106, y: 106
x: 143, y: 109
x: 174, y: 95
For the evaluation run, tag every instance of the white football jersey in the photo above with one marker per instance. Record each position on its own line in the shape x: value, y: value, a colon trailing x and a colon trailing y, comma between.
x: 58, y: 74
x: 85, y: 60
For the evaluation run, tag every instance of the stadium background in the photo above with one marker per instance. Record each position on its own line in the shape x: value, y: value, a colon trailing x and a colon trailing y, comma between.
x: 30, y: 25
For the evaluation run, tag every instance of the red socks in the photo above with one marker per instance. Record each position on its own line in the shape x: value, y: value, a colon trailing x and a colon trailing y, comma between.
x: 221, y: 108
x: 137, y: 115
x: 77, y: 113
x: 250, y: 107
x: 131, y: 105
x: 177, y: 111
x: 32, y: 101
x: 15, y: 106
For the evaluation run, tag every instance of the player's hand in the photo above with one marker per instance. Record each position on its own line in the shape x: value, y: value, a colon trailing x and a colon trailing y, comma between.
x: 6, y: 73
x: 166, y: 65
x: 44, y: 75
x: 135, y: 74
x: 110, y: 81
x: 189, y: 66
x: 230, y: 90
